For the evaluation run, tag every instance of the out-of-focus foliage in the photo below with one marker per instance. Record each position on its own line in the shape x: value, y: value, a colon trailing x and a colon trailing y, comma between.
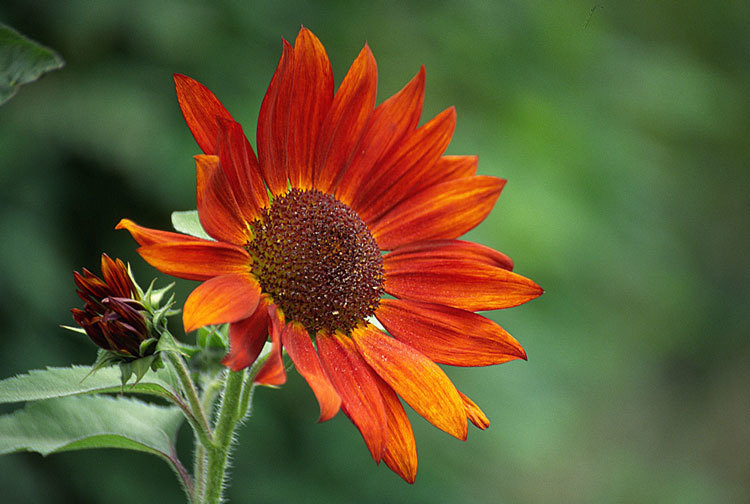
x: 623, y: 130
x: 22, y: 61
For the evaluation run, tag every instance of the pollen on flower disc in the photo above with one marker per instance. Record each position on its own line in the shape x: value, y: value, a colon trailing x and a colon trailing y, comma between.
x: 317, y: 259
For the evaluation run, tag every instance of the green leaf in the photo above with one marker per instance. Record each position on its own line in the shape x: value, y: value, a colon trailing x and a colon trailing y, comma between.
x: 61, y: 382
x: 188, y: 222
x: 76, y: 423
x: 22, y: 61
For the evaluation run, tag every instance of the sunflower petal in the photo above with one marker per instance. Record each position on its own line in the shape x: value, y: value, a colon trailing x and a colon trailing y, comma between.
x: 448, y: 335
x: 147, y: 236
x: 200, y: 108
x: 445, y: 210
x: 474, y: 413
x: 247, y: 338
x: 241, y: 168
x: 406, y: 166
x: 357, y: 386
x: 220, y: 300
x: 418, y: 380
x: 196, y: 260
x: 468, y: 285
x: 302, y: 352
x: 312, y: 93
x: 115, y: 276
x: 450, y: 249
x: 446, y: 168
x: 401, y: 450
x: 272, y: 373
x: 391, y: 121
x: 342, y: 128
x: 273, y: 122
x: 219, y: 213
x: 451, y: 168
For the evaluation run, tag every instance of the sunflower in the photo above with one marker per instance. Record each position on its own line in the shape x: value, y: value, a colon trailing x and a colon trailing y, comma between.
x: 350, y: 213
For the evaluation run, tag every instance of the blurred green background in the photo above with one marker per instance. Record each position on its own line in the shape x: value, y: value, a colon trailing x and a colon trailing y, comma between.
x: 623, y: 130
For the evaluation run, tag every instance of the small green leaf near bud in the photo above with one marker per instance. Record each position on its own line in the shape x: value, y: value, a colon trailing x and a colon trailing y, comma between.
x: 189, y: 223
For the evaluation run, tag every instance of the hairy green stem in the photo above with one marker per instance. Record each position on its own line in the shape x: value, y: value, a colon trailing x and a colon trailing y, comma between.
x: 210, y: 390
x: 218, y: 453
x: 199, y: 422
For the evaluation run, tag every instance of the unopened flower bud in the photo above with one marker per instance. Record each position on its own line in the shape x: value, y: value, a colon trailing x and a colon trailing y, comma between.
x: 113, y: 315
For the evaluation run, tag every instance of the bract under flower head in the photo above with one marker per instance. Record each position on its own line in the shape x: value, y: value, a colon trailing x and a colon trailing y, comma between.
x: 299, y: 232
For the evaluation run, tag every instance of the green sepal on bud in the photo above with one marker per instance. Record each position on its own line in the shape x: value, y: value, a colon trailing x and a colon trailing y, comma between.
x: 212, y: 346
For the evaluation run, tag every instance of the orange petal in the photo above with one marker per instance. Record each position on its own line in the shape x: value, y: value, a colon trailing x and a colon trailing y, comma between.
x: 445, y: 210
x: 446, y: 168
x: 200, y: 108
x: 421, y: 383
x: 389, y: 123
x: 273, y: 121
x: 312, y: 93
x: 473, y: 413
x: 406, y: 166
x: 361, y: 399
x: 401, y: 450
x: 451, y: 249
x: 247, y: 337
x: 218, y: 210
x: 468, y: 285
x: 219, y: 300
x: 302, y: 352
x: 197, y: 260
x: 148, y: 236
x: 272, y: 373
x: 346, y: 120
x: 448, y: 335
x: 241, y: 168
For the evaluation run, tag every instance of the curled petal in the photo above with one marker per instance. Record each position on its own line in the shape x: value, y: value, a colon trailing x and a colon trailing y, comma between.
x: 247, y: 337
x: 401, y: 450
x: 448, y: 335
x: 450, y: 249
x: 311, y: 96
x: 219, y: 213
x: 418, y: 380
x: 406, y: 166
x: 273, y: 122
x: 241, y: 168
x: 220, y: 300
x: 468, y: 285
x: 445, y: 210
x: 272, y: 373
x: 302, y: 352
x: 474, y: 413
x: 115, y: 275
x: 148, y: 236
x: 201, y: 109
x: 197, y: 260
x: 346, y: 120
x: 358, y: 388
x: 391, y: 121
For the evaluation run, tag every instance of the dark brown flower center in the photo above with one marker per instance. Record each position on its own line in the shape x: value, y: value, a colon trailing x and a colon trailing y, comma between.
x: 317, y: 259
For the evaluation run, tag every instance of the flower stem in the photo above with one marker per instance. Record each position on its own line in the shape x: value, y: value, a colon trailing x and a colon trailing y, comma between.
x: 210, y: 392
x: 218, y: 453
x: 200, y: 421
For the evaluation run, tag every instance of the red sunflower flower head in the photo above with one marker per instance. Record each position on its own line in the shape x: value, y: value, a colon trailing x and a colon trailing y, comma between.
x: 345, y: 203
